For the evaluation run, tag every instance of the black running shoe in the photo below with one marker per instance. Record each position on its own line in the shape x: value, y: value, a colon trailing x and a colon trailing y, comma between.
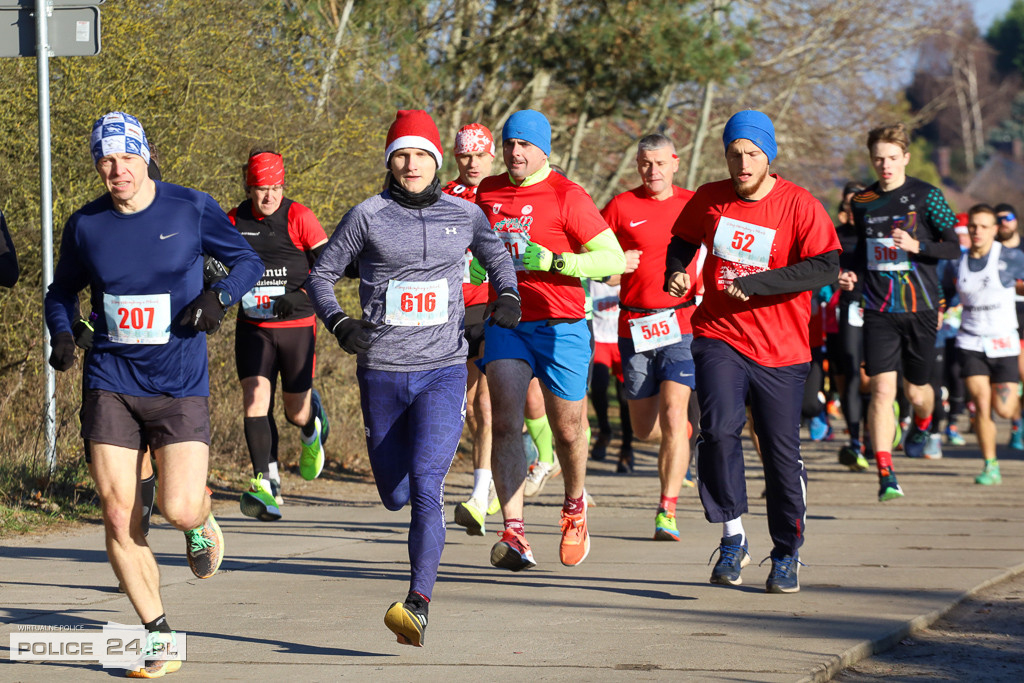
x: 408, y: 620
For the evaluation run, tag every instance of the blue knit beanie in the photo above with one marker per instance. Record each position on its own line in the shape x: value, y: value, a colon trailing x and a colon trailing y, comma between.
x: 529, y: 125
x: 754, y: 126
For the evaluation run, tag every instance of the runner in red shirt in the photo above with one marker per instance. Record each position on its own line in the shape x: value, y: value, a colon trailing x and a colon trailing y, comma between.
x: 474, y: 154
x: 769, y: 244
x: 276, y: 329
x: 654, y: 327
x: 545, y: 221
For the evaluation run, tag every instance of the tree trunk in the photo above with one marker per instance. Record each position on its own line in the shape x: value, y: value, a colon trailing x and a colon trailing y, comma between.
x: 325, y: 84
x: 699, y: 135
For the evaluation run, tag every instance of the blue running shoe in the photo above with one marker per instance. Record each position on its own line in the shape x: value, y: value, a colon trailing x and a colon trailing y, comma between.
x: 819, y: 427
x: 785, y: 574
x: 916, y: 442
x: 732, y: 558
x: 953, y: 437
x: 317, y: 404
x: 1017, y: 440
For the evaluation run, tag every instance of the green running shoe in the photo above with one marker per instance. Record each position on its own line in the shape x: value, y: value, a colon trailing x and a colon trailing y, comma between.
x: 888, y: 488
x: 665, y: 528
x: 259, y: 500
x: 898, y: 438
x: 471, y: 516
x: 311, y: 462
x: 990, y: 475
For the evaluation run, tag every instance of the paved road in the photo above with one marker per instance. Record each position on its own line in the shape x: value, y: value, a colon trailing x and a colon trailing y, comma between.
x: 305, y: 597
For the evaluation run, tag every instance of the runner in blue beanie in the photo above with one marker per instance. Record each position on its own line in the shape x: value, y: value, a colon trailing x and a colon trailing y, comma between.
x: 754, y: 126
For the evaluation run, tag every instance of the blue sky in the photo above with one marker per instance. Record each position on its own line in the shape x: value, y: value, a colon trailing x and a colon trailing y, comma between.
x: 987, y: 10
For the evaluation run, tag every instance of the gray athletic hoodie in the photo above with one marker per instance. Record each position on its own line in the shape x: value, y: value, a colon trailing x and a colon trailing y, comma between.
x: 392, y: 245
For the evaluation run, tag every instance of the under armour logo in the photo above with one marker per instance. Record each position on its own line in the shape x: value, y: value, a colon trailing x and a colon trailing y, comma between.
x: 450, y: 231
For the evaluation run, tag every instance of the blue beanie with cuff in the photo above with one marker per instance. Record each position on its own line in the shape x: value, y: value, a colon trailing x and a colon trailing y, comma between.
x: 531, y: 126
x: 754, y: 126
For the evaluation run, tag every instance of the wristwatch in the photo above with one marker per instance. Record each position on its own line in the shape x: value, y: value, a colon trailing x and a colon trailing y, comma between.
x: 223, y: 297
x: 557, y: 263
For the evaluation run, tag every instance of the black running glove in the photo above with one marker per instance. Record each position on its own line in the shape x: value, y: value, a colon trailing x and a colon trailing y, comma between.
x: 505, y: 310
x: 63, y: 355
x: 285, y: 305
x: 204, y: 313
x: 83, y: 332
x: 353, y: 335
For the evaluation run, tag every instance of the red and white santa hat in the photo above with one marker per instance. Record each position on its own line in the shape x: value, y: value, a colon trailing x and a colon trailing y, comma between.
x: 413, y: 128
x: 474, y: 138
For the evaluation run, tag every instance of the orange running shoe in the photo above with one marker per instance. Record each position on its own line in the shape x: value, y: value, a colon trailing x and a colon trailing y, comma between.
x: 575, y: 538
x: 512, y: 552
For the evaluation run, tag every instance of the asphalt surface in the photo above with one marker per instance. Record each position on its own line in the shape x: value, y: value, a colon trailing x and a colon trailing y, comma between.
x: 304, y: 597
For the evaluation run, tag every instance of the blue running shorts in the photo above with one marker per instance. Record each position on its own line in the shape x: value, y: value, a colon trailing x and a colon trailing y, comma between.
x: 558, y: 354
x: 645, y: 371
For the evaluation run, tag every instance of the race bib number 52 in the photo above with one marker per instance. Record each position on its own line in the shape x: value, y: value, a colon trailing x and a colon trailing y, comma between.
x: 138, y: 318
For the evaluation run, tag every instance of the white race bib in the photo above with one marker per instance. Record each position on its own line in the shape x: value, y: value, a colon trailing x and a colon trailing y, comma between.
x: 744, y: 243
x: 883, y: 254
x: 1001, y: 347
x: 515, y: 243
x: 654, y: 331
x: 258, y: 302
x: 138, y: 318
x: 416, y: 304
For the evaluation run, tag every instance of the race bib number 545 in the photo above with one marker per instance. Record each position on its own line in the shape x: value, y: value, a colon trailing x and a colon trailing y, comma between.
x: 138, y: 318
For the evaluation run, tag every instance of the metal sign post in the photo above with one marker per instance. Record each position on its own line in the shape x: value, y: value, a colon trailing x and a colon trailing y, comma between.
x: 74, y: 26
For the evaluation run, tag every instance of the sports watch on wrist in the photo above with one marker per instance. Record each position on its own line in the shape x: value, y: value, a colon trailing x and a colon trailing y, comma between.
x: 557, y: 263
x: 223, y: 297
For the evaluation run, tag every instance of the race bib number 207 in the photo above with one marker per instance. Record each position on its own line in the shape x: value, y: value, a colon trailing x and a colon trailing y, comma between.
x: 138, y: 318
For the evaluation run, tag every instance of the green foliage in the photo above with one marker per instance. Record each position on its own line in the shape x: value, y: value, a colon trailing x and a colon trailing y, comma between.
x: 921, y: 164
x: 1006, y: 35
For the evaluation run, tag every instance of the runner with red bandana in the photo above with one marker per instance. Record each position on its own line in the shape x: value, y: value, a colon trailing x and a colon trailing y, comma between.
x: 276, y: 331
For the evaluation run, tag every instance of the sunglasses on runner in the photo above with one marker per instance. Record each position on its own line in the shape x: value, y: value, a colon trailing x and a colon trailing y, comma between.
x: 1007, y: 217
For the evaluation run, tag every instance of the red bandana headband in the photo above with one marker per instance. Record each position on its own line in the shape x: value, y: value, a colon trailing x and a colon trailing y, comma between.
x: 265, y: 170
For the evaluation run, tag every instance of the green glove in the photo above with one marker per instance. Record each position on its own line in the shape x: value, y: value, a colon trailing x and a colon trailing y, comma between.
x: 477, y: 272
x: 537, y: 257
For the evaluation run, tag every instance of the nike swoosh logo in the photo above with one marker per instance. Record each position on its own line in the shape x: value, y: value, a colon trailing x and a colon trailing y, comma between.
x: 633, y: 224
x: 163, y: 236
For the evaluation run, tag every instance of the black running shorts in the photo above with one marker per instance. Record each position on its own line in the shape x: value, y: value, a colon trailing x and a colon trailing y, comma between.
x: 267, y: 351
x: 998, y: 370
x: 892, y: 337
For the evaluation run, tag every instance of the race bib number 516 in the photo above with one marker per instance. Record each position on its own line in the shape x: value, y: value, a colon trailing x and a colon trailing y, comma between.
x: 138, y: 318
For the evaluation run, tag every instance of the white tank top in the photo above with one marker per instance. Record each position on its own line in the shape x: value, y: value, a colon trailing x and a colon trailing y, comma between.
x: 989, y: 310
x: 606, y: 312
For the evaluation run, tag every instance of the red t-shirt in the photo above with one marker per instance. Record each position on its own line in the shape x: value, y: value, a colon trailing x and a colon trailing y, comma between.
x: 742, y: 238
x: 646, y: 224
x: 555, y: 213
x: 471, y: 294
x: 305, y: 232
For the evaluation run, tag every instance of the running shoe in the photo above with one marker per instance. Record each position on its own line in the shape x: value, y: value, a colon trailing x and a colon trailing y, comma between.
x: 575, y: 544
x: 311, y: 461
x: 888, y: 488
x: 915, y: 442
x: 625, y: 465
x: 275, y: 488
x: 492, y: 495
x: 539, y: 475
x: 205, y: 548
x: 1017, y: 440
x: 665, y: 528
x: 600, y: 450
x: 471, y: 515
x: 953, y: 437
x: 157, y: 644
x: 819, y: 428
x: 897, y: 439
x: 853, y: 459
x: 784, y: 576
x: 317, y: 404
x: 732, y: 558
x: 259, y: 501
x: 689, y: 481
x: 408, y: 621
x: 512, y: 552
x: 834, y: 409
x: 990, y: 475
x: 933, y: 447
